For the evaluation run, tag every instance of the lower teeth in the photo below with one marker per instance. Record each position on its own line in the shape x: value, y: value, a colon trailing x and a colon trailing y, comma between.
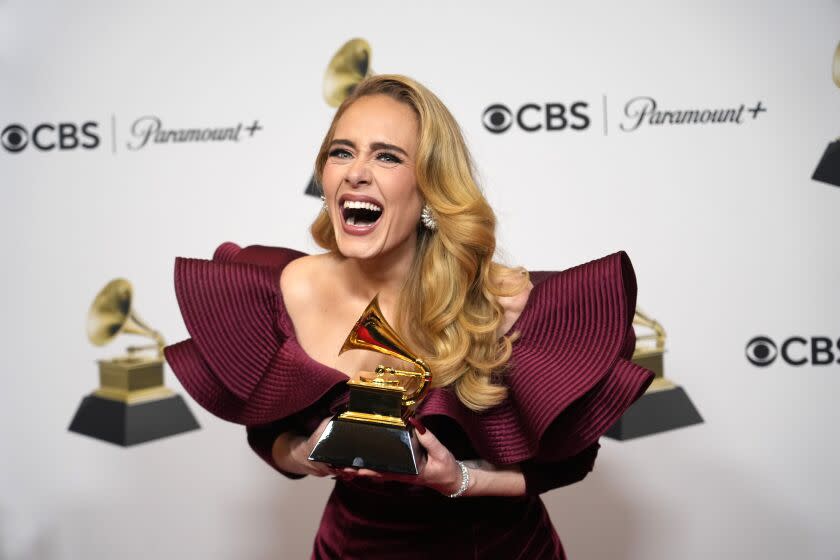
x: 353, y: 221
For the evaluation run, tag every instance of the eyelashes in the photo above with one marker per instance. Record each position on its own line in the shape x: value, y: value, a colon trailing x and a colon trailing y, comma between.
x: 385, y: 157
x: 340, y: 153
x: 388, y: 157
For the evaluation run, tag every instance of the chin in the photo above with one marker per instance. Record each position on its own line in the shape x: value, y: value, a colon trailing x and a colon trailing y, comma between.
x: 357, y: 248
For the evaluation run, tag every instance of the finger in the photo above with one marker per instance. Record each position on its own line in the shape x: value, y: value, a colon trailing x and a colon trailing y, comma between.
x: 390, y: 477
x: 434, y: 447
x: 406, y: 478
x: 370, y: 473
x: 320, y: 469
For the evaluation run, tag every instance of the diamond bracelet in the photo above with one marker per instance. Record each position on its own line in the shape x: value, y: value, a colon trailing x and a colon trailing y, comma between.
x: 465, y: 480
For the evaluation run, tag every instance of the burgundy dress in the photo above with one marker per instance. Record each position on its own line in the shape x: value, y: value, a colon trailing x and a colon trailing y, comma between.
x: 569, y: 379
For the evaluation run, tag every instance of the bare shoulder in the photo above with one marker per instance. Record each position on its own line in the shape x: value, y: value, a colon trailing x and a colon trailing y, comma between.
x: 300, y: 279
x: 514, y: 304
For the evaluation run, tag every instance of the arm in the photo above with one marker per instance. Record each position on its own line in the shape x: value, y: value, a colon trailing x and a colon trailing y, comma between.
x: 281, y: 446
x: 530, y: 477
x: 290, y: 453
x: 544, y: 476
x: 442, y: 473
x: 487, y: 479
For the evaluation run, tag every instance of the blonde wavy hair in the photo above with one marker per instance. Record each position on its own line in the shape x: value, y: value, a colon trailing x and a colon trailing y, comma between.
x: 450, y: 297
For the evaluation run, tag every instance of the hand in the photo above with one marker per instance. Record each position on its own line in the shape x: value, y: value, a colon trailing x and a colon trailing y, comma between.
x: 291, y: 453
x: 439, y: 472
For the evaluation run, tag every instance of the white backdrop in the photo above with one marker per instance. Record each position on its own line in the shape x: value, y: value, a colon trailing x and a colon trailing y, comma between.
x: 729, y: 236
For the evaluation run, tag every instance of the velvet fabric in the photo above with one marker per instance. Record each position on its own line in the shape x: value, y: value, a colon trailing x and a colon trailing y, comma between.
x: 570, y: 378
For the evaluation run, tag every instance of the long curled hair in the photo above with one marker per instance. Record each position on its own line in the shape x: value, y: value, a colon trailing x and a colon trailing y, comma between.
x: 450, y: 298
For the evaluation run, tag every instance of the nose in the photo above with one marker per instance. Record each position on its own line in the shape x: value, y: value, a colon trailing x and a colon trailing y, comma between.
x: 358, y: 173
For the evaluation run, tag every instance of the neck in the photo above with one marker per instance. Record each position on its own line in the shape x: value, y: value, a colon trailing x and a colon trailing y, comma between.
x: 384, y: 275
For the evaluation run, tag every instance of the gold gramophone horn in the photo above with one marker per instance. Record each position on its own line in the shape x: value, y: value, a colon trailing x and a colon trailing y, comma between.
x: 111, y: 313
x: 372, y: 332
x: 349, y: 66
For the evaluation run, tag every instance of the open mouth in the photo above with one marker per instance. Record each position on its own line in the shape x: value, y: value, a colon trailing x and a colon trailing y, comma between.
x: 360, y: 213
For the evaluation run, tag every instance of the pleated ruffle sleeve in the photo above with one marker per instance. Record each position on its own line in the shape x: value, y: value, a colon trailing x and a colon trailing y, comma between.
x: 570, y: 377
x: 238, y: 362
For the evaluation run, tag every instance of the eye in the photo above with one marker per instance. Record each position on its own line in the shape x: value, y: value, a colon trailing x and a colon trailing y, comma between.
x: 340, y: 153
x: 761, y: 351
x: 497, y: 118
x: 388, y: 157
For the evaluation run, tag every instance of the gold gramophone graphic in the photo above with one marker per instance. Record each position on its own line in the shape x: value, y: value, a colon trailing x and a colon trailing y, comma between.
x: 131, y: 404
x: 665, y: 405
x: 650, y: 349
x: 828, y: 169
x: 348, y: 66
x: 374, y: 433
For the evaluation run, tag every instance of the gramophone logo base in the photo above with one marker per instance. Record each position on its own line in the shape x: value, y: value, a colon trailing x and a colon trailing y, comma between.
x: 828, y: 170
x: 131, y: 405
x: 656, y: 412
x: 129, y: 424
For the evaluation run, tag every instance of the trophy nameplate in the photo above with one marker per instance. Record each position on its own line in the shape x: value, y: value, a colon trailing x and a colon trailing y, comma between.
x: 373, y: 432
x: 664, y: 405
x: 131, y: 405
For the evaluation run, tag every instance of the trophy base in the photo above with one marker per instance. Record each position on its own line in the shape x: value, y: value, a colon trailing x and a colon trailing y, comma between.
x: 654, y: 412
x: 348, y: 443
x: 828, y: 170
x: 132, y: 423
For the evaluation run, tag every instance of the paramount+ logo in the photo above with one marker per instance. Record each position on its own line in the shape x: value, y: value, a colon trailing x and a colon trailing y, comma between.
x: 762, y: 351
x: 47, y: 137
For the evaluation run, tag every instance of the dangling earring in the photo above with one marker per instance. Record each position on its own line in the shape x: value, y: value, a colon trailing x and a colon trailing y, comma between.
x: 323, y: 203
x: 428, y: 220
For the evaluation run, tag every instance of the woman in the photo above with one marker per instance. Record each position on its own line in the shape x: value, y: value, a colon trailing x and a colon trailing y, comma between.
x: 525, y: 380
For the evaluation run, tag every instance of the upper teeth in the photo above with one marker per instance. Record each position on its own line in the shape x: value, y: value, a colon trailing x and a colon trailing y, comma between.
x: 360, y: 204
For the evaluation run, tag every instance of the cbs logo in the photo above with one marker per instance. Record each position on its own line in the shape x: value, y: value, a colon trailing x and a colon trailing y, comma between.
x: 761, y: 351
x: 47, y: 136
x: 532, y: 117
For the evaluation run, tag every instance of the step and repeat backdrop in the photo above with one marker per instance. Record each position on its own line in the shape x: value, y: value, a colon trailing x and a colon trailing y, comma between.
x: 699, y: 137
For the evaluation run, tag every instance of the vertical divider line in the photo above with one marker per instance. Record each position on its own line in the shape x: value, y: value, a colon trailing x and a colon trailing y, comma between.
x: 605, y: 114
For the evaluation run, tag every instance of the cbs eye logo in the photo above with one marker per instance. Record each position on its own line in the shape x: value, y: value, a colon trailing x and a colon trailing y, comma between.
x: 47, y: 136
x: 761, y: 351
x: 497, y: 118
x: 531, y: 117
x: 14, y: 138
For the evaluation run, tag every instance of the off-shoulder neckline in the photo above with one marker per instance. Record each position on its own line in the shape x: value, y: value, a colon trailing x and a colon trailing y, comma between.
x: 288, y: 325
x: 291, y: 333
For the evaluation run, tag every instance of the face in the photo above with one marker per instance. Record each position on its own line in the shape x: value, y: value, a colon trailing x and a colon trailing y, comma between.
x: 369, y: 179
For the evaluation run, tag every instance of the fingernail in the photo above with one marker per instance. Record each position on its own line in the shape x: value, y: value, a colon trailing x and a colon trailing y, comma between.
x: 417, y: 425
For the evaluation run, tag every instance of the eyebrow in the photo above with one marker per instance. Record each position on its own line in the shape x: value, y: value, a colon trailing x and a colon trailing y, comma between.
x: 373, y: 146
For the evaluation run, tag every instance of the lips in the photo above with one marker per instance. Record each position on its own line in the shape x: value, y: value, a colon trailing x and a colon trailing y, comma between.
x: 359, y: 214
